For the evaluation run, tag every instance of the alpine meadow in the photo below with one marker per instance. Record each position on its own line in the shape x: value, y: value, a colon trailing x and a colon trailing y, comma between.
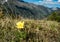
x: 22, y: 21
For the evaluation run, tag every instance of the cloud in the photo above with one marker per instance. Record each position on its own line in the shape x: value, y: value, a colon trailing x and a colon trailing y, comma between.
x: 40, y: 1
x: 58, y: 0
x: 49, y: 3
x: 48, y: 0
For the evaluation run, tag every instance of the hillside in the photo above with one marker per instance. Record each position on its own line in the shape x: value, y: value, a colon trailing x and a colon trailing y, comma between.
x: 25, y: 10
x: 21, y: 22
x: 55, y: 15
x: 33, y: 31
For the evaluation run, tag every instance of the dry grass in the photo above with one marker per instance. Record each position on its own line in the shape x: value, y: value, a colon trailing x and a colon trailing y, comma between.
x: 34, y: 31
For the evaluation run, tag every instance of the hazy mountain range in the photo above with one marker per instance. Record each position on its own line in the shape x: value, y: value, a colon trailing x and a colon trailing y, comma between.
x: 25, y: 9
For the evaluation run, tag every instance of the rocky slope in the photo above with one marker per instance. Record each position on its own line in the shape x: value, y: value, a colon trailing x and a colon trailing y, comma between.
x: 26, y: 10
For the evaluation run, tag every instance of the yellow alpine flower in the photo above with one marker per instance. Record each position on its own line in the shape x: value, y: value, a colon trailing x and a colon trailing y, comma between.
x: 20, y: 24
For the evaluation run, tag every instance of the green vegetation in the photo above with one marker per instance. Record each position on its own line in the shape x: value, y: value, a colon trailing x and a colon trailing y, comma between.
x: 33, y: 31
x: 55, y: 16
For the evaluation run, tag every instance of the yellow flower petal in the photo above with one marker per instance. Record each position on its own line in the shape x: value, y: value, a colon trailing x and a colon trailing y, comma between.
x: 20, y: 24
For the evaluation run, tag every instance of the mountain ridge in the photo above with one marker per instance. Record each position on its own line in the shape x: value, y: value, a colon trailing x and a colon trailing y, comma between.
x: 26, y: 10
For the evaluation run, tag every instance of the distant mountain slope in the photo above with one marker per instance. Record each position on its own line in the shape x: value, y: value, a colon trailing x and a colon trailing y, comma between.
x: 26, y: 10
x: 55, y: 16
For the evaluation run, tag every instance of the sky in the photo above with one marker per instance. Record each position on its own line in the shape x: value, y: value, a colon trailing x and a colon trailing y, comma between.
x: 48, y: 3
